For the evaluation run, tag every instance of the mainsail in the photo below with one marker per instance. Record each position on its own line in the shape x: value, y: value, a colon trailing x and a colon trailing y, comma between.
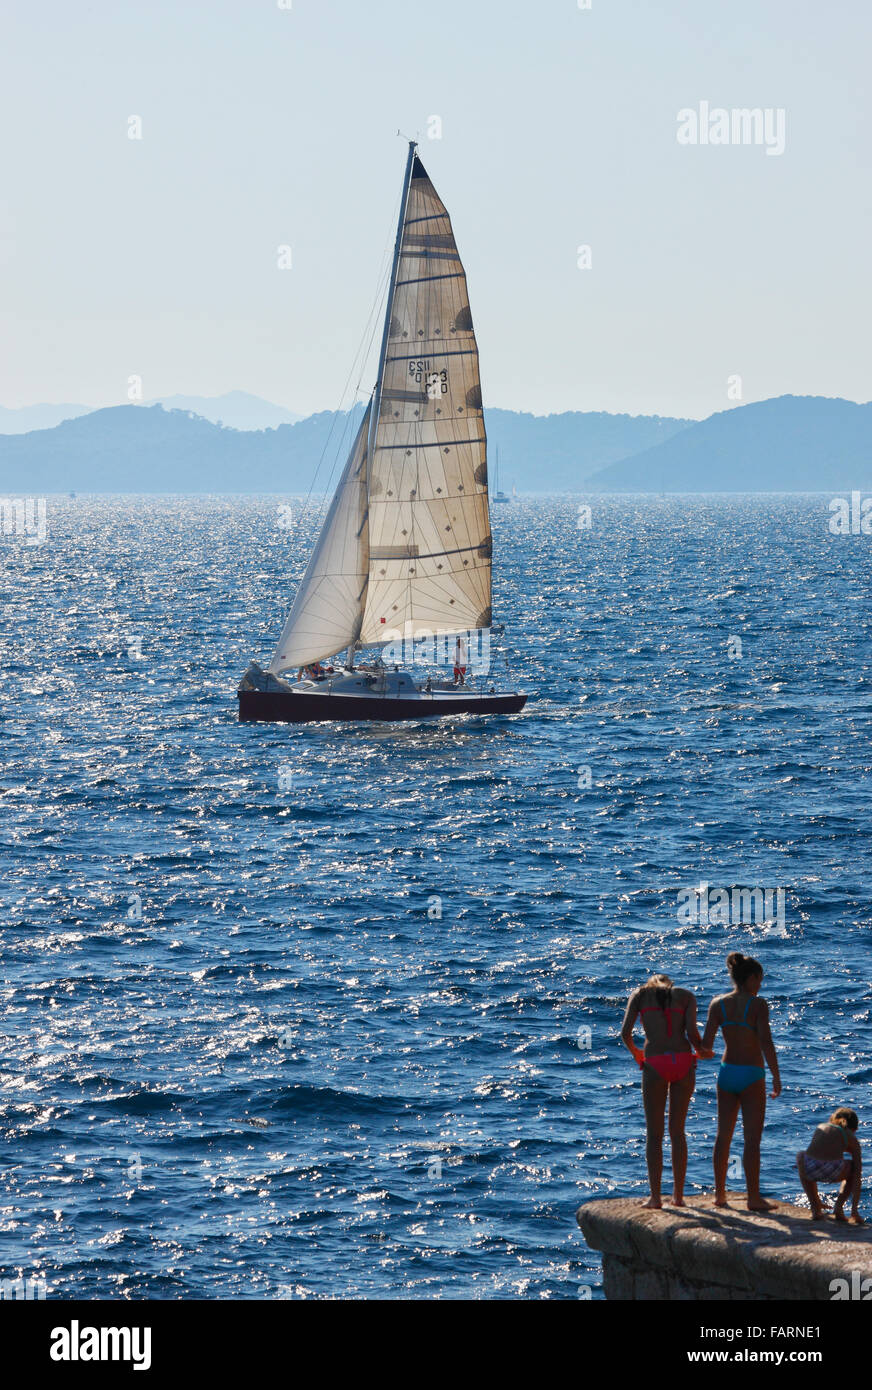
x: 418, y: 557
x: 429, y: 528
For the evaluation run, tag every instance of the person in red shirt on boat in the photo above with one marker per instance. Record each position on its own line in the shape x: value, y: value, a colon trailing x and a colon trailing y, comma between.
x: 460, y: 662
x: 668, y: 1065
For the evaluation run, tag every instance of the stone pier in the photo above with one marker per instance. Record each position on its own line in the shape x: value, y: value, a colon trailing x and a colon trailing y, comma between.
x: 702, y: 1252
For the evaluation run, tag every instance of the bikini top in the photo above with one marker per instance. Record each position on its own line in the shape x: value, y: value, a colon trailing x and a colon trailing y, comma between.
x: 657, y: 1008
x: 736, y: 1022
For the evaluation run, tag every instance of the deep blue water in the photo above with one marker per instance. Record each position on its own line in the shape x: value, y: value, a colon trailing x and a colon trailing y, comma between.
x: 287, y: 1079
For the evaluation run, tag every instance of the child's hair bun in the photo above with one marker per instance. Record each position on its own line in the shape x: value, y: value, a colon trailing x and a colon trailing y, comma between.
x: 844, y: 1117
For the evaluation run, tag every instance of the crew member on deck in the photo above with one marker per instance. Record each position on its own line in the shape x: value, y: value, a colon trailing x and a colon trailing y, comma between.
x: 460, y: 661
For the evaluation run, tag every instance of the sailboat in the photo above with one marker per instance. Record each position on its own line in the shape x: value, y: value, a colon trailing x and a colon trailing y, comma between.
x: 404, y: 555
x: 498, y: 495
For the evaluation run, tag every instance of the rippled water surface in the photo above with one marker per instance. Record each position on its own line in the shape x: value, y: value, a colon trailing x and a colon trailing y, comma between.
x: 243, y: 1054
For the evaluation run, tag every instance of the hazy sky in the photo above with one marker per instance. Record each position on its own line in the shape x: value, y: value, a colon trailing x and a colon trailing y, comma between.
x: 264, y: 126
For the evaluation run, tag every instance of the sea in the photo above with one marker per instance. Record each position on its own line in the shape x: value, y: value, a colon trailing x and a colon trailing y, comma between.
x: 333, y: 1011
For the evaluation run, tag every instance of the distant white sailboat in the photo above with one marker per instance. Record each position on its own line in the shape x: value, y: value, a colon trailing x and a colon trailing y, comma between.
x: 499, y: 496
x: 405, y: 551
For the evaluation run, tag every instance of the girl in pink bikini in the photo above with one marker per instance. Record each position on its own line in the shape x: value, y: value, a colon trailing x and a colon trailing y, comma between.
x: 668, y: 1064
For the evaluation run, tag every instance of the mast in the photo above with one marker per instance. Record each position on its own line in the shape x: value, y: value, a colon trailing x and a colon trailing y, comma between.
x: 373, y: 423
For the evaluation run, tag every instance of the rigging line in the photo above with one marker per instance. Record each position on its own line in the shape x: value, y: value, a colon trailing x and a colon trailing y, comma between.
x: 369, y: 329
x: 346, y: 426
x: 363, y: 355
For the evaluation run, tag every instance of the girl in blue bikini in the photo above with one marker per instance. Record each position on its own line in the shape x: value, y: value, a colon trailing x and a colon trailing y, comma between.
x: 744, y: 1017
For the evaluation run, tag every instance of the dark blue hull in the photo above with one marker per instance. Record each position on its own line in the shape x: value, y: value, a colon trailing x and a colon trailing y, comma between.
x: 286, y: 707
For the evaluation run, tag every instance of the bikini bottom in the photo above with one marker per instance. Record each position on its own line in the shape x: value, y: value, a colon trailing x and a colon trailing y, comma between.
x: 736, y: 1079
x: 672, y: 1066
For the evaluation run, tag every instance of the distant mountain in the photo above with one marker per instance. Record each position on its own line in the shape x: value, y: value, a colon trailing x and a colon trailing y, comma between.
x: 238, y: 409
x: 557, y: 452
x: 139, y: 448
x: 787, y: 444
x: 37, y: 417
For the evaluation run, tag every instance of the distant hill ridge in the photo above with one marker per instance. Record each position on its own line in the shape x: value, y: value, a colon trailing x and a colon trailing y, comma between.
x: 786, y: 444
x: 21, y: 419
x: 239, y: 409
x: 789, y: 444
x: 139, y: 448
